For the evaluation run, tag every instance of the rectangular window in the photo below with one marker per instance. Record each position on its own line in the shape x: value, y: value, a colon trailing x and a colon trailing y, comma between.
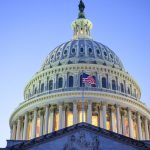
x: 95, y: 119
x: 69, y: 119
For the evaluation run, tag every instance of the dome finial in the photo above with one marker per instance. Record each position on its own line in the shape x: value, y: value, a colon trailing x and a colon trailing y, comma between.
x: 81, y: 26
x: 81, y: 9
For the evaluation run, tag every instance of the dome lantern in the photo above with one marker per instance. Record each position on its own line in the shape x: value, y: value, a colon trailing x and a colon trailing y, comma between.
x: 81, y: 26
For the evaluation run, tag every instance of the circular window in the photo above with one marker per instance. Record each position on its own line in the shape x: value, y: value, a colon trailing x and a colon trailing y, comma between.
x: 105, y: 53
x: 98, y: 51
x: 58, y: 53
x: 52, y: 56
x: 73, y: 50
x: 81, y: 49
x: 65, y: 52
x: 111, y: 56
x: 90, y: 50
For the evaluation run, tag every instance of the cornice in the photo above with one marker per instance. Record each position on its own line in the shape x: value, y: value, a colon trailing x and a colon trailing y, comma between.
x: 77, y: 95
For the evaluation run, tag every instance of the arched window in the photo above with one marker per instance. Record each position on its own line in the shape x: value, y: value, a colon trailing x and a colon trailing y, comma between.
x: 60, y: 82
x: 122, y: 87
x: 35, y: 91
x: 129, y: 92
x: 104, y: 84
x: 113, y: 85
x: 50, y: 85
x: 70, y: 81
x: 42, y: 87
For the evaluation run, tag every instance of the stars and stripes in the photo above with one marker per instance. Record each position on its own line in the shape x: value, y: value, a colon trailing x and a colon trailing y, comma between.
x: 88, y: 79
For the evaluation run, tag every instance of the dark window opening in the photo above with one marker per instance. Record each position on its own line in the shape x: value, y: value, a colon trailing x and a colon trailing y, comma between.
x: 42, y: 87
x: 105, y: 53
x: 122, y: 87
x: 60, y: 82
x: 113, y: 85
x: 50, y: 84
x: 73, y: 50
x: 81, y: 49
x: 104, y: 83
x: 70, y: 81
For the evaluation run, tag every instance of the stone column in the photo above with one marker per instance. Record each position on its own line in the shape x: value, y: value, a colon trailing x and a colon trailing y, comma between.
x: 64, y: 113
x: 25, y: 127
x: 34, y: 122
x: 14, y: 131
x: 60, y: 107
x: 118, y: 119
x: 41, y: 122
x: 123, y: 113
x: 101, y: 116
x: 100, y: 81
x: 112, y: 118
x: 139, y: 126
x: 75, y: 113
x: 18, y: 129
x: 146, y: 128
x: 46, y: 118
x: 51, y: 118
x: 130, y: 123
x: 89, y: 113
x: 104, y: 106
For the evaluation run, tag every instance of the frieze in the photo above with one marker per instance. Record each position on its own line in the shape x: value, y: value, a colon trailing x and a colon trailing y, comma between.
x: 80, y: 142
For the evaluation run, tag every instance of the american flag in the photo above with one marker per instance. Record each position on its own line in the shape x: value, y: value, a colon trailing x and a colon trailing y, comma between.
x: 88, y: 79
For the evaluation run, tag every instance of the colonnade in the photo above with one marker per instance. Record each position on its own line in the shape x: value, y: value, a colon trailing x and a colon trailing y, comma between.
x: 50, y: 118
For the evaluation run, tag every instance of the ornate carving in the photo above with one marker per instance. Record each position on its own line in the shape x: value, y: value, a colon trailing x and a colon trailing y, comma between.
x: 81, y: 142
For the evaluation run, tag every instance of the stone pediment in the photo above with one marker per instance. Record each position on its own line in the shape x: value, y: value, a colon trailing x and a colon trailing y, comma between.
x: 82, y: 136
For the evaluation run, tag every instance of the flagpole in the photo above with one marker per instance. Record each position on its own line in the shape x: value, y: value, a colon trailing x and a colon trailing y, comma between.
x: 82, y: 99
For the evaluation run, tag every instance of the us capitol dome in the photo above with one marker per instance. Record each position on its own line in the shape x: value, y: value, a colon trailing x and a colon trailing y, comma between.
x: 53, y: 98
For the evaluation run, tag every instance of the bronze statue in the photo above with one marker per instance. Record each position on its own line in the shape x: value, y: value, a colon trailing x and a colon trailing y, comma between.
x: 81, y: 6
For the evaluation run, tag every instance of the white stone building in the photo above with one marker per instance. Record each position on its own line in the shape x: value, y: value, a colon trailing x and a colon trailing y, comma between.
x: 56, y: 97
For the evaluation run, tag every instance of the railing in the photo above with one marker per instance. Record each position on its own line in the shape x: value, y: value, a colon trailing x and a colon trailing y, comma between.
x: 80, y: 89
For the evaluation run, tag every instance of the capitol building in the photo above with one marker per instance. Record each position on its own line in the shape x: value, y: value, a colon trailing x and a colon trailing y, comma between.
x: 56, y: 98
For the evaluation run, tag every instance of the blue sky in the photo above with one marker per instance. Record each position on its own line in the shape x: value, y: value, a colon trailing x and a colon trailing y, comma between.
x: 30, y: 29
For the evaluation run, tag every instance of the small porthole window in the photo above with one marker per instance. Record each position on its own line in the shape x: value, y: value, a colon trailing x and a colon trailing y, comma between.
x: 73, y: 50
x: 111, y: 56
x: 90, y: 50
x: 81, y: 49
x: 65, y: 52
x: 58, y: 53
x: 105, y: 54
x: 52, y: 56
x: 98, y: 52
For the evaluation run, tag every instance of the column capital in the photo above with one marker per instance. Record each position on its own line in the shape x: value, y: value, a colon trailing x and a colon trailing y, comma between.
x: 123, y: 112
x: 145, y: 118
x: 26, y: 113
x: 104, y: 104
x: 138, y: 114
x: 46, y: 106
x: 60, y: 104
x: 117, y: 105
x: 52, y: 107
x: 19, y: 118
x: 75, y: 102
x: 112, y: 108
x: 14, y: 122
x: 89, y: 102
x: 35, y: 109
x: 41, y: 112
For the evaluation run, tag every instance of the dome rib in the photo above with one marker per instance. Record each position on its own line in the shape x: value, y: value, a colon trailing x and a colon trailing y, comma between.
x: 82, y: 50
